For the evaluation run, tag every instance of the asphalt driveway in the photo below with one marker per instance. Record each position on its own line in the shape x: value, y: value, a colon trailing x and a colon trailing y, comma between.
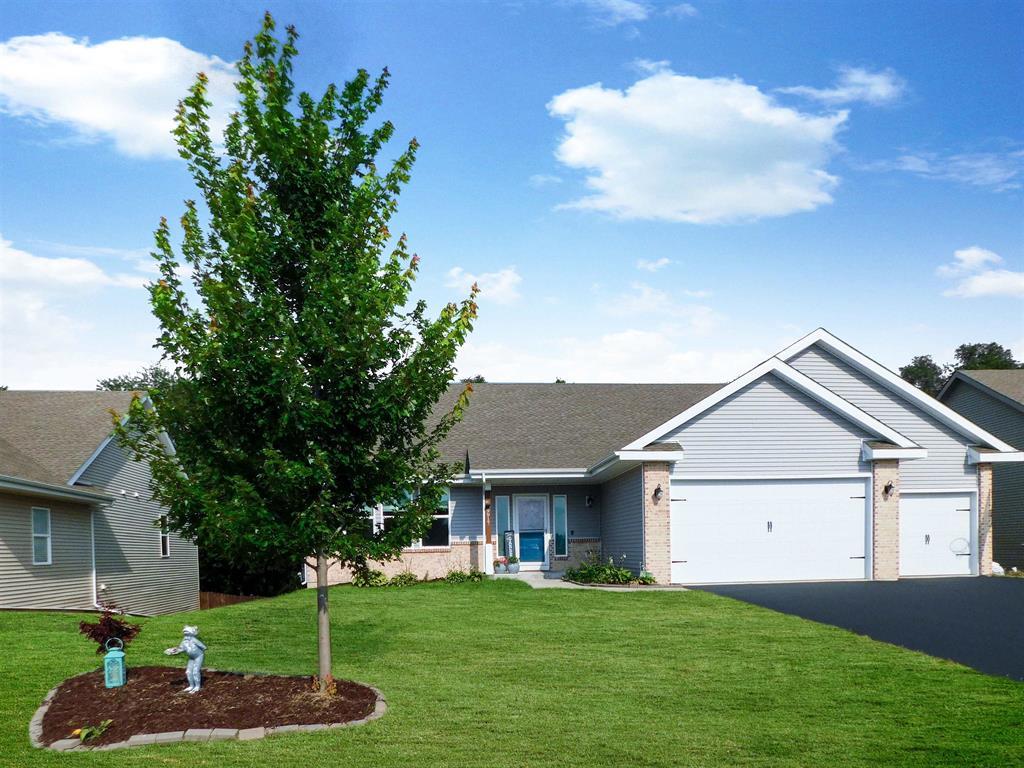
x: 978, y: 622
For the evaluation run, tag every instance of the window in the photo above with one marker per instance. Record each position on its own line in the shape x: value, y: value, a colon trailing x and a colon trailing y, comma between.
x: 41, y: 551
x: 502, y: 521
x: 165, y: 538
x: 439, y: 534
x: 560, y: 509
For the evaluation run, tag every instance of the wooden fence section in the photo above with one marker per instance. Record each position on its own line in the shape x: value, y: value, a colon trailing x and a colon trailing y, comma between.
x: 219, y: 600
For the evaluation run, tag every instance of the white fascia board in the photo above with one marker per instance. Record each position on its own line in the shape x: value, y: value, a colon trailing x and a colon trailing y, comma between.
x: 540, y: 473
x: 868, y: 453
x: 974, y: 456
x: 21, y: 485
x: 163, y: 437
x: 789, y: 374
x: 894, y: 383
x: 631, y: 455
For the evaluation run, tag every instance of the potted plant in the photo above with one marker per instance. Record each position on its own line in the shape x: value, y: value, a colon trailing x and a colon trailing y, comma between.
x: 512, y: 564
x: 501, y: 565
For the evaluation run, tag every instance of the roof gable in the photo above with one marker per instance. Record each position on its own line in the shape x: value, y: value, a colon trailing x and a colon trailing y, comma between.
x: 1006, y: 386
x: 892, y: 381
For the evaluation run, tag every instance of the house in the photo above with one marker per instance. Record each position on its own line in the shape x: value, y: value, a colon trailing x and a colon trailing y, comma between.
x: 995, y: 400
x: 819, y: 463
x: 77, y: 525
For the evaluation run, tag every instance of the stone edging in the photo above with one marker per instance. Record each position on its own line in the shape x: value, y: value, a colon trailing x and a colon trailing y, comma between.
x: 35, y: 729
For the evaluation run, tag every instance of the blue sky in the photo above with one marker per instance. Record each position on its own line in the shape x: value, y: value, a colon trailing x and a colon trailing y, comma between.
x: 646, y: 191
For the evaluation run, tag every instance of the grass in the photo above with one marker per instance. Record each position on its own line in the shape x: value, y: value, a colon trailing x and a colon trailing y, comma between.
x: 499, y: 674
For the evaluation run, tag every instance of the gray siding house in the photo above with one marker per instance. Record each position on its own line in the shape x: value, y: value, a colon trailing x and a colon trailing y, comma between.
x: 995, y: 400
x: 78, y: 528
x: 817, y: 464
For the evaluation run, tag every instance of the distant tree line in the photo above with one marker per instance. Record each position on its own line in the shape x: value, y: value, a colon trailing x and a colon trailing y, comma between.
x: 925, y: 374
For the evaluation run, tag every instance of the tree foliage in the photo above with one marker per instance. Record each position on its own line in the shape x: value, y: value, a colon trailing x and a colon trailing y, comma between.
x: 309, y: 375
x: 923, y: 372
x: 150, y: 378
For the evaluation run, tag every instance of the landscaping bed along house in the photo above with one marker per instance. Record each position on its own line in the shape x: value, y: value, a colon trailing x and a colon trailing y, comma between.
x: 152, y: 702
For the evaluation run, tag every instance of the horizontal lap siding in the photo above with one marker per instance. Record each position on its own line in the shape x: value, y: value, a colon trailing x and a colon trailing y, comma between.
x: 1006, y: 423
x: 67, y: 582
x: 467, y: 513
x: 946, y: 465
x: 584, y: 521
x: 622, y: 520
x: 128, y: 560
x: 768, y: 428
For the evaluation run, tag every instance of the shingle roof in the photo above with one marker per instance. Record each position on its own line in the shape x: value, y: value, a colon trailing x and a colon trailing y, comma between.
x: 563, y: 426
x: 1009, y: 383
x: 46, y: 436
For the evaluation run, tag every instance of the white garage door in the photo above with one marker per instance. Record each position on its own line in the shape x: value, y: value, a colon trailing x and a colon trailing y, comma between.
x: 936, y: 537
x: 769, y: 530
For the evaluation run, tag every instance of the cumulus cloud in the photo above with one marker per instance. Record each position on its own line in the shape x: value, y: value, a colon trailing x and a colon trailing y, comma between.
x: 998, y: 171
x: 653, y: 265
x: 975, y: 270
x: 701, y: 150
x: 682, y: 11
x: 642, y: 300
x: 611, y: 13
x: 501, y: 287
x: 856, y: 84
x: 539, y: 180
x: 121, y: 90
x: 21, y: 267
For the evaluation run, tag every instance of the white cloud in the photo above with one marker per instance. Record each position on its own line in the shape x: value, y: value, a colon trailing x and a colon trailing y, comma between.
x: 630, y: 355
x: 682, y: 11
x: 974, y: 268
x: 642, y: 300
x: 501, y: 287
x: 123, y: 90
x: 22, y: 267
x: 998, y: 171
x: 539, y: 180
x: 653, y: 265
x: 701, y: 150
x: 614, y: 12
x: 856, y: 84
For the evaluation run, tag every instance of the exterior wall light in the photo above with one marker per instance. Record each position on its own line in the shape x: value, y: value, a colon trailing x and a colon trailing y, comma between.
x: 589, y: 501
x: 658, y: 493
x: 888, y: 489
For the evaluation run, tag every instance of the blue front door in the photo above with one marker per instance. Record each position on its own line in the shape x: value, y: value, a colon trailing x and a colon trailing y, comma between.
x: 531, y: 521
x: 531, y: 546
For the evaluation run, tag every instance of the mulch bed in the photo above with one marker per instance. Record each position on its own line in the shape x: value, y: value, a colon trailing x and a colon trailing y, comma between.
x: 153, y: 701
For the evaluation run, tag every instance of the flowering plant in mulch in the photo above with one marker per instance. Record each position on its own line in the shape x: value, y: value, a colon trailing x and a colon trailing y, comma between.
x: 90, y: 732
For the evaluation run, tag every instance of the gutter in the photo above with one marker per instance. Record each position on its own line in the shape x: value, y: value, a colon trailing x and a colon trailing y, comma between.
x: 35, y: 488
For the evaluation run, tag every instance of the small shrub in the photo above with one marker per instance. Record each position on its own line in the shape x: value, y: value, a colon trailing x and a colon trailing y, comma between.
x: 594, y: 570
x: 368, y: 577
x: 645, y: 577
x: 108, y: 627
x: 458, y: 576
x: 1014, y: 573
x: 403, y: 579
x: 90, y: 732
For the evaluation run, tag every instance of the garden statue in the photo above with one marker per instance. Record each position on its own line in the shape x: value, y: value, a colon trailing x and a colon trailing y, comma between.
x: 192, y: 647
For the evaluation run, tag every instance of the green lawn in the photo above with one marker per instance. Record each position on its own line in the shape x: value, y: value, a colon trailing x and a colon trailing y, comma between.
x: 497, y: 674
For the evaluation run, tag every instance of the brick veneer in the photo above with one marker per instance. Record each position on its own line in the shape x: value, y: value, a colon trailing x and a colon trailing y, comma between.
x: 428, y: 563
x: 985, y: 519
x: 657, y: 521
x: 580, y: 549
x: 885, y: 520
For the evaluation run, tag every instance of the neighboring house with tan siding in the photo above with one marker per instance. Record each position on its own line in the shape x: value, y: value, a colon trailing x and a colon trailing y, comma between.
x: 78, y: 527
x: 994, y: 399
x: 817, y: 464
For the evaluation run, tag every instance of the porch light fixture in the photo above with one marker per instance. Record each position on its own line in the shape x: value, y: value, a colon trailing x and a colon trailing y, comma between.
x: 589, y: 501
x: 658, y: 493
x: 888, y: 489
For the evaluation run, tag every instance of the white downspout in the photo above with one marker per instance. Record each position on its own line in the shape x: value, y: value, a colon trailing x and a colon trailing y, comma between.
x: 92, y: 545
x: 488, y: 547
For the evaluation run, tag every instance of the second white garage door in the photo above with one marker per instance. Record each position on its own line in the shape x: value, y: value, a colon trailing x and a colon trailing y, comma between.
x: 936, y: 534
x: 769, y: 530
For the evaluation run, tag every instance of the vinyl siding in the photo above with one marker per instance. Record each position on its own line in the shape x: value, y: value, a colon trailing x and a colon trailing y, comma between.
x: 945, y: 467
x: 769, y: 428
x: 584, y: 522
x: 1006, y: 423
x: 128, y: 561
x: 467, y: 513
x: 622, y: 520
x: 66, y: 583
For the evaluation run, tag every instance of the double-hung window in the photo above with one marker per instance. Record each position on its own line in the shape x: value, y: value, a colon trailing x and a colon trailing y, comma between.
x: 439, y: 533
x: 41, y: 549
x: 165, y: 537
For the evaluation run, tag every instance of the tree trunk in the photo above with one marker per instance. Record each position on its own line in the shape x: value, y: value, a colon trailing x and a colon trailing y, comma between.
x: 323, y: 623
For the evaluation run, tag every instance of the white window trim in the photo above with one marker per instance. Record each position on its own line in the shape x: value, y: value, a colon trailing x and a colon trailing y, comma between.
x: 554, y: 525
x: 418, y: 544
x: 48, y: 535
x: 165, y: 536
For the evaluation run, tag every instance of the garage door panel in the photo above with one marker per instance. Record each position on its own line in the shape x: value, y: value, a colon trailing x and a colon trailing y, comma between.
x: 936, y: 534
x: 726, y: 531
